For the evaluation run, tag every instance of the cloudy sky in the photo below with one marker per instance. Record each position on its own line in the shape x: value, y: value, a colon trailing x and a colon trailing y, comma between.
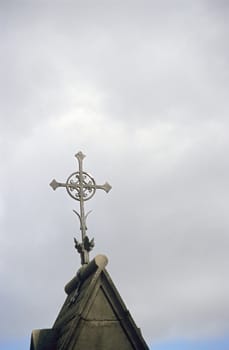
x: 141, y: 87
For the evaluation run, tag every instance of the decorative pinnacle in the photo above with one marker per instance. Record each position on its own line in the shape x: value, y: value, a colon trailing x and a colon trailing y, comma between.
x: 81, y: 187
x: 107, y: 187
x: 54, y: 184
x: 80, y: 155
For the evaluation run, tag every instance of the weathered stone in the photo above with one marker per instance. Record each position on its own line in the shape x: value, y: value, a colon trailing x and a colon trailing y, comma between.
x: 94, y: 317
x: 44, y: 339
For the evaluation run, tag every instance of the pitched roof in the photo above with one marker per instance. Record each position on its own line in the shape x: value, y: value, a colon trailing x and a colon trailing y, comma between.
x: 94, y: 315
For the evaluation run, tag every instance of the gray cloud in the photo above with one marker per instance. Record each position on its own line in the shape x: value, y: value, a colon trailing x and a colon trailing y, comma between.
x: 141, y: 88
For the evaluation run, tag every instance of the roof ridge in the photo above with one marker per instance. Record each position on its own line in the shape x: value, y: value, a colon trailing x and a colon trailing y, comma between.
x: 100, y: 261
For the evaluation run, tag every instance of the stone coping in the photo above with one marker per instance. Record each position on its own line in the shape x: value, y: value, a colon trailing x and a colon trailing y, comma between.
x: 100, y: 261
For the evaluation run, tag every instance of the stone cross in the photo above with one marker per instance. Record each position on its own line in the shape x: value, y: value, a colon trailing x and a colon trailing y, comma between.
x: 81, y: 187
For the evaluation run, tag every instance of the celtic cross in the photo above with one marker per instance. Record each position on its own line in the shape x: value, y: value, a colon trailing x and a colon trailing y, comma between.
x: 81, y: 187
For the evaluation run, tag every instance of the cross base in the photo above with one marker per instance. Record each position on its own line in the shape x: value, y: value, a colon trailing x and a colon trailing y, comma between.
x: 84, y: 248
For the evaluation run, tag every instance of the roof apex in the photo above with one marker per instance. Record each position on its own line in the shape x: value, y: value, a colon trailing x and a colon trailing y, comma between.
x: 99, y: 262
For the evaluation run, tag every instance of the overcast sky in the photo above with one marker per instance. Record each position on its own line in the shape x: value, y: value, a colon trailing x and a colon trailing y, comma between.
x: 141, y: 87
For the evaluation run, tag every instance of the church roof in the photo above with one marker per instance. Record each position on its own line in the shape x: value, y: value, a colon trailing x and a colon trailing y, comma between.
x: 93, y: 317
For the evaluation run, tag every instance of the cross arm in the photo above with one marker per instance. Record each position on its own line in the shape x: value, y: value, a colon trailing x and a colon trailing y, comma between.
x: 106, y: 187
x: 54, y: 184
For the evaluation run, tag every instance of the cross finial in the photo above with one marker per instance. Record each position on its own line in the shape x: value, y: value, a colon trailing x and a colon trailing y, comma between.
x: 81, y: 187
